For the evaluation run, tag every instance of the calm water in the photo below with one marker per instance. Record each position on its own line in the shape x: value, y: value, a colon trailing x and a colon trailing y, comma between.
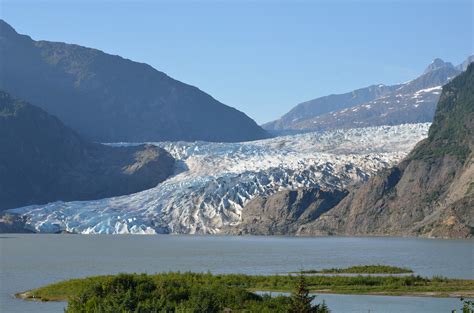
x: 29, y: 261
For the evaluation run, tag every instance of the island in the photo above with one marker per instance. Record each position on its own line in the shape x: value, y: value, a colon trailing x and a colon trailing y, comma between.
x: 177, y: 290
x: 361, y: 269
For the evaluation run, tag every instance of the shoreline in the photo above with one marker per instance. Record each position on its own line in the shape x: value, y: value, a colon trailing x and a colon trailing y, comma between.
x: 27, y: 296
x: 368, y: 285
x: 426, y: 294
x: 362, y: 236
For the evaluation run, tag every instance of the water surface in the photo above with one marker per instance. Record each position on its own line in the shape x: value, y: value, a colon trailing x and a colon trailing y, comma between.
x: 30, y: 261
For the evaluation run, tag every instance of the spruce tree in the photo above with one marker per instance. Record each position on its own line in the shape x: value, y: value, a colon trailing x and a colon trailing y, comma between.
x: 300, y: 299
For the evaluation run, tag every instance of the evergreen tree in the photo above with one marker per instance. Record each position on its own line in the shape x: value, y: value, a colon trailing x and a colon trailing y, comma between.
x: 322, y: 308
x: 300, y: 299
x: 468, y: 306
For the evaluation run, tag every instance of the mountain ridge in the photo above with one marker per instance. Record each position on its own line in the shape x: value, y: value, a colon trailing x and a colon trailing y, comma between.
x: 409, y: 102
x: 41, y: 161
x: 430, y: 193
x: 108, y: 98
x: 329, y: 103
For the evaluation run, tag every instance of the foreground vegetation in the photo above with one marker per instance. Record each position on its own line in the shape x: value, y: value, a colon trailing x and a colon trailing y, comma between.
x: 377, y: 285
x: 467, y: 306
x: 361, y: 269
x: 172, y: 292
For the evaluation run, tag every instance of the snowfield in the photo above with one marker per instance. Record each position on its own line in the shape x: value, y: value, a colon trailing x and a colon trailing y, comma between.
x: 414, y: 106
x: 213, y: 181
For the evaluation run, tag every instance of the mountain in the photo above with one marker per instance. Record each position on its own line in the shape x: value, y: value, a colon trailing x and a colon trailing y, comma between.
x: 107, y: 98
x: 410, y: 102
x: 41, y: 161
x: 436, y: 65
x: 319, y: 106
x: 430, y: 193
x: 214, y: 182
x: 463, y: 66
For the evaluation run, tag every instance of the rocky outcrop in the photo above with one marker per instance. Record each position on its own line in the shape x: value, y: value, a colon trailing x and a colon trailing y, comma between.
x: 431, y: 193
x: 107, y: 98
x: 41, y: 161
x: 12, y: 223
x: 282, y: 213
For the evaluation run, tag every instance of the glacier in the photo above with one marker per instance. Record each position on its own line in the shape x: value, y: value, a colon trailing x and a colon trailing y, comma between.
x: 213, y: 181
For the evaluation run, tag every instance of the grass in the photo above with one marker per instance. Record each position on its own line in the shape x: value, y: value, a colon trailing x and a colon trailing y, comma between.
x: 361, y: 269
x: 376, y: 285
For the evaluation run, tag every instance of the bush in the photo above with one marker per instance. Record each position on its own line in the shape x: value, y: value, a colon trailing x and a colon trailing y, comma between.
x: 173, y: 292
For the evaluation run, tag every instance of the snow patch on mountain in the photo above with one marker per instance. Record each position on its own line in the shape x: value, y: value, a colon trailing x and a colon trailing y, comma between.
x: 213, y: 181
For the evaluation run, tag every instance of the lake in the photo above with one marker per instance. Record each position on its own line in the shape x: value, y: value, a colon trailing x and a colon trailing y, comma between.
x: 31, y: 260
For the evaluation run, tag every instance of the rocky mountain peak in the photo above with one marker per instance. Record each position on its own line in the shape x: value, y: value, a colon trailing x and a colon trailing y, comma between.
x: 437, y: 64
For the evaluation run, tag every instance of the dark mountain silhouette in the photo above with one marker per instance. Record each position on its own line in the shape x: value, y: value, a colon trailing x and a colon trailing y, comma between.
x: 107, y: 98
x: 41, y: 161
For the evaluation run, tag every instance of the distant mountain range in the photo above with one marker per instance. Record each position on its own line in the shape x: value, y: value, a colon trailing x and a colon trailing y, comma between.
x: 410, y: 102
x: 430, y: 193
x: 344, y: 180
x: 107, y: 98
x: 42, y: 161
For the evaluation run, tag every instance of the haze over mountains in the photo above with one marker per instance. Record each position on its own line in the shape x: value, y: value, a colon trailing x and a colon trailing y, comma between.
x: 42, y: 160
x: 183, y: 181
x: 107, y: 98
x: 297, y: 184
x: 411, y: 102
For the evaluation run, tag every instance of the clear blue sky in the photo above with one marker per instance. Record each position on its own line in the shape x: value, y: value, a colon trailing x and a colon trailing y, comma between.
x: 262, y: 57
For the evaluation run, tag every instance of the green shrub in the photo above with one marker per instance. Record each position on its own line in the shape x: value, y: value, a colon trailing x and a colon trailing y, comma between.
x: 173, y: 292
